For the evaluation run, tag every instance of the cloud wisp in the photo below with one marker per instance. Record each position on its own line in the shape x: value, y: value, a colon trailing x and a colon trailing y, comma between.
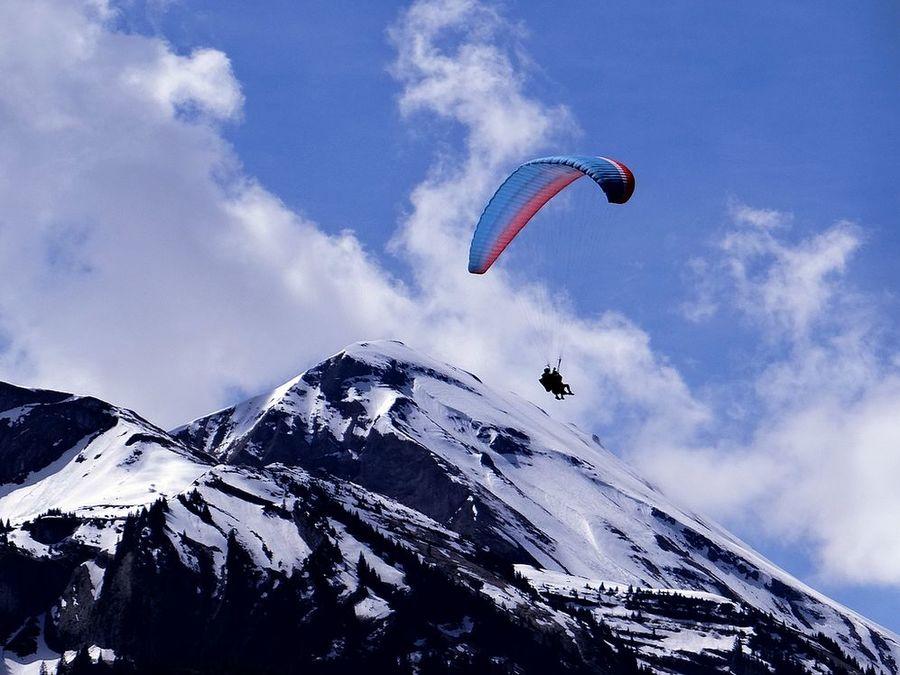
x: 822, y: 460
x: 452, y: 67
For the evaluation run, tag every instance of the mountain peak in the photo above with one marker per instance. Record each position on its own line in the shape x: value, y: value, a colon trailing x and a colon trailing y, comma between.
x: 528, y: 513
x: 78, y: 453
x: 502, y: 472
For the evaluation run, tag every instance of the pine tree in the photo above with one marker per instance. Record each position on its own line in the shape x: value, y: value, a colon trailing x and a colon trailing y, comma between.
x: 80, y: 664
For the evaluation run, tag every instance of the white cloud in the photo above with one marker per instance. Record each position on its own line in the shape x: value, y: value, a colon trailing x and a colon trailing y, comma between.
x: 837, y: 486
x: 151, y: 271
x: 785, y: 286
x: 788, y: 286
x: 823, y: 449
x: 450, y: 66
x: 703, y: 305
x: 202, y: 81
x: 764, y: 219
x: 140, y: 264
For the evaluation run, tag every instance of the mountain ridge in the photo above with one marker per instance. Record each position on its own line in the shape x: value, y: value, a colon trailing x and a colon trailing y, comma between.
x: 385, y: 354
x: 528, y: 510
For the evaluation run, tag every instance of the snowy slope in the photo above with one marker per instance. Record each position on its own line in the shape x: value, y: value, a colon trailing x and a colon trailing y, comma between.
x: 555, y: 494
x: 114, y: 463
x: 382, y: 510
x: 270, y: 531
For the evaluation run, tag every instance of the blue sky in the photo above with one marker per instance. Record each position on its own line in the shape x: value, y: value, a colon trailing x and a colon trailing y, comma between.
x: 788, y: 107
x: 782, y: 107
x: 753, y: 276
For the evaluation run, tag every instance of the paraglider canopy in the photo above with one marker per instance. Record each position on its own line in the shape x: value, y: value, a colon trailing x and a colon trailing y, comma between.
x: 531, y: 186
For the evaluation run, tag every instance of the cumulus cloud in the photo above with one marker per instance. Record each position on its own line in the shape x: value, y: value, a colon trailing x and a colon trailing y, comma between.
x: 786, y: 286
x: 150, y: 270
x: 822, y: 457
x: 836, y: 483
x: 202, y: 81
x: 140, y: 263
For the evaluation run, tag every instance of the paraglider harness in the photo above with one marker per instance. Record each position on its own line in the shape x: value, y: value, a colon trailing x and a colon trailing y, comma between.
x: 552, y: 382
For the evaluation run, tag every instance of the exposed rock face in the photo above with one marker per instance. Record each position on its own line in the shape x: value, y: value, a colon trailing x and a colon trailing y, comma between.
x: 37, y: 427
x: 381, y: 511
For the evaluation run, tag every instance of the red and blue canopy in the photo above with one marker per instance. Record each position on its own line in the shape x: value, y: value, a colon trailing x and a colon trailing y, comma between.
x: 531, y: 186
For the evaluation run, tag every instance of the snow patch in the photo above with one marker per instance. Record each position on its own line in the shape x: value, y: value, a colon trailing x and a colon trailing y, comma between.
x: 372, y: 607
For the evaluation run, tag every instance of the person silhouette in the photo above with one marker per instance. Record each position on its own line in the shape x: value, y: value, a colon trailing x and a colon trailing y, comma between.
x: 552, y: 382
x: 559, y: 388
x: 546, y: 380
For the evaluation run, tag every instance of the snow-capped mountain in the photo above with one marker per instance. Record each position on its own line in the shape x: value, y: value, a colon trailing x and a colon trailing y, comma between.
x: 381, y: 510
x: 83, y: 455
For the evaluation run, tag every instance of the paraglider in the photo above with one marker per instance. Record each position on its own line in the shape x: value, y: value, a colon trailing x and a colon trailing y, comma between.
x: 521, y: 196
x: 553, y: 382
x: 531, y: 186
